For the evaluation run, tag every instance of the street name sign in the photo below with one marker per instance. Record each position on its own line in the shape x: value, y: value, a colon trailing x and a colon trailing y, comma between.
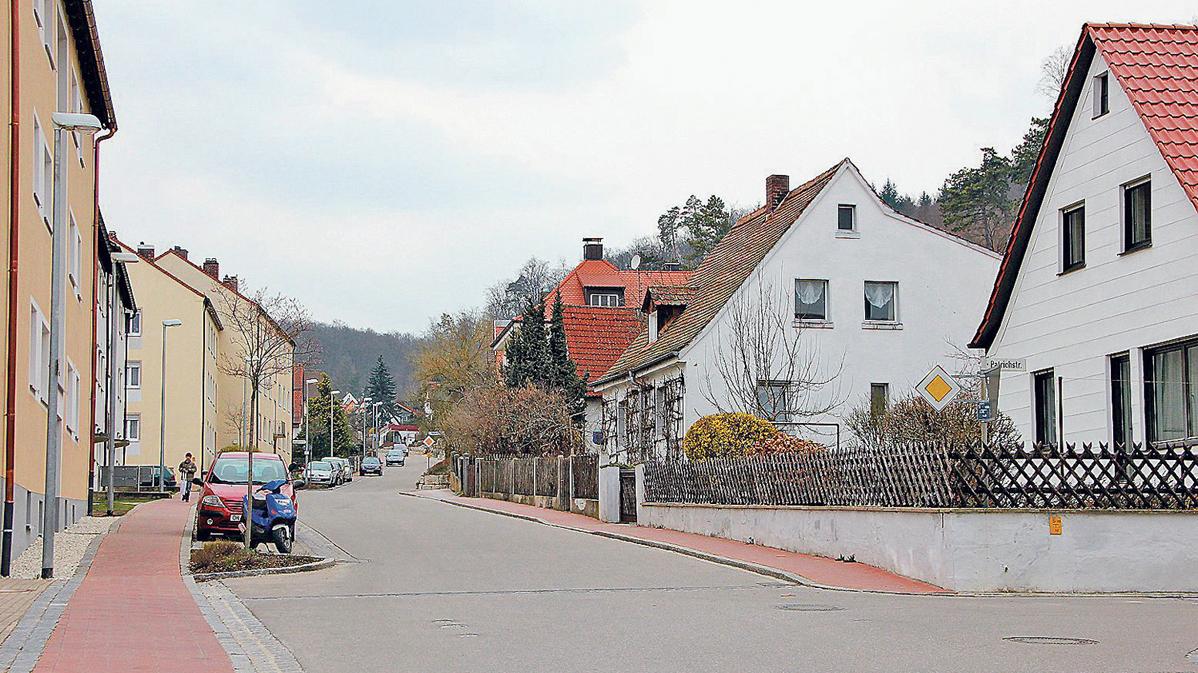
x: 938, y: 388
x: 1004, y: 364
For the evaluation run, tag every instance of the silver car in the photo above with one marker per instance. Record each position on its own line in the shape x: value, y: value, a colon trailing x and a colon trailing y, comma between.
x: 321, y: 473
x: 345, y: 470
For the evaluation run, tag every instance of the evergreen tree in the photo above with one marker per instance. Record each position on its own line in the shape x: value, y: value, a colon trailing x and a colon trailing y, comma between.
x: 527, y: 354
x: 381, y: 388
x: 564, y: 371
x: 706, y: 224
x: 318, y: 423
x: 890, y: 194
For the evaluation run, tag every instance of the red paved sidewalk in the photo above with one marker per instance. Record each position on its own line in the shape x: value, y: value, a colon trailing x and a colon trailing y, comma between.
x: 816, y: 569
x: 132, y: 613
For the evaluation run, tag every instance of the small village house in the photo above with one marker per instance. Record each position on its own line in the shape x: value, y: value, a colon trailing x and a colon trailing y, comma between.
x: 869, y: 301
x: 1096, y: 295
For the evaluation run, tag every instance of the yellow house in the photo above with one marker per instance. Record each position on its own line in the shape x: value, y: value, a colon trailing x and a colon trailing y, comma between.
x: 51, y: 61
x: 273, y: 420
x: 175, y: 321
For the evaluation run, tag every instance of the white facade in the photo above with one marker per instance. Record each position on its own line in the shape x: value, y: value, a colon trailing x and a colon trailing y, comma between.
x: 942, y: 286
x: 1119, y: 303
x: 110, y: 362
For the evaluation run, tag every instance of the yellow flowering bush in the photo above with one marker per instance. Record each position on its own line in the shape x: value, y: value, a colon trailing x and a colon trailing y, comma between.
x: 719, y: 435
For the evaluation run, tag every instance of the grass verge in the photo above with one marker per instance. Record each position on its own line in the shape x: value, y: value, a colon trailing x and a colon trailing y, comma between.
x: 224, y: 556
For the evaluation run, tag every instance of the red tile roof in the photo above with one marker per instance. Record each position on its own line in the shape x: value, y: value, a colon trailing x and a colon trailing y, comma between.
x: 602, y: 273
x: 668, y: 295
x: 597, y: 335
x: 1157, y: 68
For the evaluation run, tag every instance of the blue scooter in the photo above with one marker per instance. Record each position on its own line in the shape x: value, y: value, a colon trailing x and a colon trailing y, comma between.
x: 273, y: 516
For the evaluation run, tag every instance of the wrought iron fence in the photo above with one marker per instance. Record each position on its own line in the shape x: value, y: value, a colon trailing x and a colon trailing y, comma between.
x: 934, y: 475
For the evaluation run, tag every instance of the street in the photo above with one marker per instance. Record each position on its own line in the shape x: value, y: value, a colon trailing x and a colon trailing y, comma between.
x: 433, y: 587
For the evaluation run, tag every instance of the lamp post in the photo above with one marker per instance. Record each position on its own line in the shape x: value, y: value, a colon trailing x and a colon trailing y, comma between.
x: 307, y: 446
x: 89, y: 124
x: 110, y: 402
x: 365, y: 418
x: 162, y: 408
x: 375, y: 426
x: 331, y: 403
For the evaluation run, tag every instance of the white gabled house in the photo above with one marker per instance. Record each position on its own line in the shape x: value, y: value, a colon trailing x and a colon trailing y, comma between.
x: 1098, y: 292
x: 876, y: 298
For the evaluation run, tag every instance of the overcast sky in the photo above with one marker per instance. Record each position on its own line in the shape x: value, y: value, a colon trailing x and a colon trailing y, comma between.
x: 384, y: 161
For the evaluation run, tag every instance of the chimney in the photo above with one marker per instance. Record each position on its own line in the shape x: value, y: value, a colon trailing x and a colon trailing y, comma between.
x: 776, y: 188
x: 146, y: 251
x: 231, y: 283
x: 592, y: 248
x: 212, y: 268
x: 182, y: 251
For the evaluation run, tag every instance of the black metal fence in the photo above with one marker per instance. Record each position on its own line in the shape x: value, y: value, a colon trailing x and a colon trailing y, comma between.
x: 548, y: 476
x: 934, y: 475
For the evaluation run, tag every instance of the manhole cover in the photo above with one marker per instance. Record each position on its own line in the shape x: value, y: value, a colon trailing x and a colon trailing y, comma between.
x: 1050, y: 640
x: 809, y: 607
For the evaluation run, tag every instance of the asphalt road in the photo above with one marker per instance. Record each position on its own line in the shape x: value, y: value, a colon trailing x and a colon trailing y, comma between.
x: 433, y: 587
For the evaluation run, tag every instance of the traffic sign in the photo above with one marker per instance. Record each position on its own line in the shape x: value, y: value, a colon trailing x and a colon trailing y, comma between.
x: 428, y: 441
x: 938, y: 388
x: 985, y: 411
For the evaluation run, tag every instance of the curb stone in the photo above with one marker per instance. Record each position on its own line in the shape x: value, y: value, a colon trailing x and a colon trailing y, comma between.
x: 306, y: 567
x: 24, y: 646
x: 251, y: 647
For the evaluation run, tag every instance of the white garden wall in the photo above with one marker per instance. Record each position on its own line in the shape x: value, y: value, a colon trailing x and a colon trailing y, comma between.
x: 969, y: 550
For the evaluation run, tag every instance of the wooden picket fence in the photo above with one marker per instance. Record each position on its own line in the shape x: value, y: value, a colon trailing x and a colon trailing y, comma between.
x: 938, y: 475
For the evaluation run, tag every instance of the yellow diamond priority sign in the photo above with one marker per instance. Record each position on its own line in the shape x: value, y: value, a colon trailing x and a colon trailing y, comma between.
x: 938, y: 388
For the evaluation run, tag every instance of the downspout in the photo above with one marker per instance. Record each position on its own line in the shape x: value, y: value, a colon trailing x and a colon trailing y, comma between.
x: 91, y: 412
x: 14, y: 227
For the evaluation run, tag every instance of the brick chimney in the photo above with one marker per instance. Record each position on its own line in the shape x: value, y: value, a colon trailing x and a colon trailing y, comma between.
x: 181, y: 251
x: 212, y: 268
x: 592, y: 248
x: 231, y: 283
x: 776, y: 188
x: 146, y: 251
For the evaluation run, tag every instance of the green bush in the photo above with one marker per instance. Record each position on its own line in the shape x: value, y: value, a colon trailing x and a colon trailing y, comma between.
x: 719, y: 435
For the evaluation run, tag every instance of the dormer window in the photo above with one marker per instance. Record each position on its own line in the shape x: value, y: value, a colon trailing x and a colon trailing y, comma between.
x: 605, y: 297
x: 846, y: 217
x: 1102, y: 99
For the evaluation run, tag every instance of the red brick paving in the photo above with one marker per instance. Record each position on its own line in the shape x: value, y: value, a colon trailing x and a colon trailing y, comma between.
x: 132, y: 613
x: 816, y: 569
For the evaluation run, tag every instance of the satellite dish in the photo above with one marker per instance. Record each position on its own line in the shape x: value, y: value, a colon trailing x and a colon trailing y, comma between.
x: 635, y: 262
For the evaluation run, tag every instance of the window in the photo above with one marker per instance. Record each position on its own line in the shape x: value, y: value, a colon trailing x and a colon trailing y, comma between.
x: 1102, y: 98
x: 879, y: 398
x: 1137, y: 215
x: 76, y: 255
x: 43, y: 173
x: 39, y: 353
x: 880, y: 301
x: 846, y: 217
x: 43, y: 14
x: 133, y: 328
x: 772, y: 400
x: 133, y: 374
x: 811, y: 299
x: 1073, y: 238
x: 1044, y: 392
x: 77, y: 107
x: 71, y: 400
x: 1121, y: 400
x: 597, y: 299
x: 1172, y: 392
x: 133, y: 427
x: 653, y: 326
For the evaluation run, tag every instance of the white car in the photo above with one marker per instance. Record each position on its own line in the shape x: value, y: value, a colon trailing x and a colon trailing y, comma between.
x: 346, y: 472
x: 320, y: 472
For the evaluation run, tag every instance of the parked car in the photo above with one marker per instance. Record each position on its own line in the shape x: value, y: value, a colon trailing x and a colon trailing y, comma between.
x: 222, y: 489
x: 149, y: 479
x: 371, y: 465
x: 321, y: 473
x: 346, y: 471
x: 396, y: 457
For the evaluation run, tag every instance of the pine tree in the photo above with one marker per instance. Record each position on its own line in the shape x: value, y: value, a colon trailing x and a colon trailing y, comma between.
x: 528, y: 350
x: 564, y: 373
x: 381, y: 388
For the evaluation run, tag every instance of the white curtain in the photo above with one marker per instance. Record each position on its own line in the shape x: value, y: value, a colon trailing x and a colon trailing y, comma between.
x: 879, y: 294
x: 810, y: 291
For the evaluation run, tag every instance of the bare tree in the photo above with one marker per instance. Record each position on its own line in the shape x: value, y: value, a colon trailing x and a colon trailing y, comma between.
x: 768, y: 369
x: 506, y: 299
x: 1053, y: 70
x: 271, y: 332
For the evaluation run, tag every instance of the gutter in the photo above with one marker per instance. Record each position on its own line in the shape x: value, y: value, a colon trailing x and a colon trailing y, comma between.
x: 91, y: 408
x: 609, y: 378
x: 14, y: 227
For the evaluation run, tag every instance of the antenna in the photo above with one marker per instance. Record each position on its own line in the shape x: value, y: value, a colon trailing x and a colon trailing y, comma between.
x: 635, y: 262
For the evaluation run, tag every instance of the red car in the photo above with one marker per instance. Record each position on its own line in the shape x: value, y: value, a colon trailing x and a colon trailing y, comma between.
x: 219, y: 512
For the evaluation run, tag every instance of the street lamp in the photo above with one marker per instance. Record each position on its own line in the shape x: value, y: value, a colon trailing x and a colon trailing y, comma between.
x: 81, y: 123
x: 365, y: 419
x: 110, y: 402
x: 375, y: 407
x: 307, y: 446
x: 172, y: 322
x: 331, y: 402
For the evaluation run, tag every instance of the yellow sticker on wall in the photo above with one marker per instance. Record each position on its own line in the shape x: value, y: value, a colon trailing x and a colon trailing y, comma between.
x: 1054, y: 524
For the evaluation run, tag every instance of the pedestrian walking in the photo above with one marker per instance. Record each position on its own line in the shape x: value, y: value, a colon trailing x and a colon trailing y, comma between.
x: 187, y: 470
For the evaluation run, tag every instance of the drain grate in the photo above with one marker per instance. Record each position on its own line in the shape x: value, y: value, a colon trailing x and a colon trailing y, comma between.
x: 809, y: 607
x: 1050, y: 640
